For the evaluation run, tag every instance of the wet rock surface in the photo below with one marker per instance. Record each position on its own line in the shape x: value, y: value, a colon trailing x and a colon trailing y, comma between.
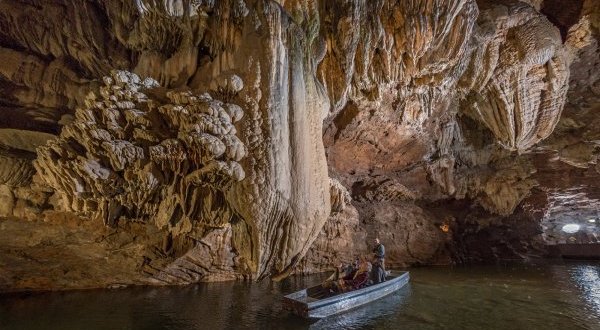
x: 177, y: 142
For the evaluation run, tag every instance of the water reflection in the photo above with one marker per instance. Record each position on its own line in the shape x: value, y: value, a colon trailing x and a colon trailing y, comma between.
x: 587, y: 279
x: 563, y: 296
x: 363, y: 317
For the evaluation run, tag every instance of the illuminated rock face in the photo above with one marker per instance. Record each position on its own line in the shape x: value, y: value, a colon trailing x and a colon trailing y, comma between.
x: 270, y: 171
x: 130, y: 155
x: 518, y: 76
x: 211, y: 140
x: 412, y: 49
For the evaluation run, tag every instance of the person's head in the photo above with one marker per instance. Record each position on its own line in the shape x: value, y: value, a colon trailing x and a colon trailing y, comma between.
x: 377, y: 240
x: 365, y: 266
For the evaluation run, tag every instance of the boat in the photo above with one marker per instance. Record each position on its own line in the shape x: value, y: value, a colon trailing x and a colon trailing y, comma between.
x: 316, y: 302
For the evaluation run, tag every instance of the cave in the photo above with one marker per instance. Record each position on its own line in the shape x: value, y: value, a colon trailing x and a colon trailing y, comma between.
x: 184, y: 142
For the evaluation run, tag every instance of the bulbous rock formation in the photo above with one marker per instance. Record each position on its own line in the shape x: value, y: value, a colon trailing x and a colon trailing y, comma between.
x: 254, y: 138
x: 128, y: 154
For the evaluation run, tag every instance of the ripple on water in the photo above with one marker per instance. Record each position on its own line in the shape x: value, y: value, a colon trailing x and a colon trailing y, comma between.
x: 550, y: 296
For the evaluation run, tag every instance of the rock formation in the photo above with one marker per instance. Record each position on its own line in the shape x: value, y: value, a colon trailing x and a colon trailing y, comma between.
x: 518, y: 76
x: 187, y: 141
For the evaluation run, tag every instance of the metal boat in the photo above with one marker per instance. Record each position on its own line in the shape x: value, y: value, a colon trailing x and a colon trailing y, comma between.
x: 316, y: 302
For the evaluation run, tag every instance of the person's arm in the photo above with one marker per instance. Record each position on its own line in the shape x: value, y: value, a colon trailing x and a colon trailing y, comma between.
x: 330, y: 278
x: 334, y: 276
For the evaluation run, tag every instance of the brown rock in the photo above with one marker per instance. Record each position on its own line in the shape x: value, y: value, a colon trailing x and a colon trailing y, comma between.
x: 456, y: 131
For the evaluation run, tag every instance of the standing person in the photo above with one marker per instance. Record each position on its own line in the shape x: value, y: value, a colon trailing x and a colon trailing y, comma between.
x: 379, y: 252
x: 377, y: 274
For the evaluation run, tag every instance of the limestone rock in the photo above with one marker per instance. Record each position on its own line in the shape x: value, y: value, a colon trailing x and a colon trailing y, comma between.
x: 412, y: 49
x: 15, y: 168
x: 518, y: 75
x: 206, y: 148
x: 7, y: 201
x: 279, y: 214
x: 340, y: 197
x: 103, y: 167
x: 342, y: 239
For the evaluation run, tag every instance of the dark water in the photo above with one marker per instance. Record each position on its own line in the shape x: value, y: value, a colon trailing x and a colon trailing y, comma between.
x: 550, y: 296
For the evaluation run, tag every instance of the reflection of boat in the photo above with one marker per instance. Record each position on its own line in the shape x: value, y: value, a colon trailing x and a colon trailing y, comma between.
x: 380, y: 311
x: 315, y: 302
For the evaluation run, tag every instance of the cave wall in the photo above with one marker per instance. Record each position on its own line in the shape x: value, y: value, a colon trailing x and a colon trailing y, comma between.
x: 187, y: 141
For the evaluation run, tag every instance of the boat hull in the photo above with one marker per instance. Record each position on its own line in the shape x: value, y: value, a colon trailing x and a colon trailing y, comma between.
x: 303, y: 305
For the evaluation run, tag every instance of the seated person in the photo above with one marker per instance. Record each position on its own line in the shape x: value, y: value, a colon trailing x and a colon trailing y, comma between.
x: 359, y: 279
x: 336, y: 276
x: 352, y: 269
x: 340, y: 273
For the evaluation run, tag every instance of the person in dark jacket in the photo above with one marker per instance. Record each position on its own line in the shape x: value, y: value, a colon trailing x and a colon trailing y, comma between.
x: 379, y: 252
x: 352, y: 269
x: 378, y: 274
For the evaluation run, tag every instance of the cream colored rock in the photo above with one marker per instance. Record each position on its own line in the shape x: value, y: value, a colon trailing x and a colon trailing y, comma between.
x: 537, y: 4
x: 7, y: 201
x: 518, y: 75
x: 340, y: 197
x: 341, y: 240
x: 102, y: 168
x: 220, y: 151
x: 398, y: 47
x: 284, y: 200
x: 22, y: 139
x: 211, y: 259
x: 15, y: 170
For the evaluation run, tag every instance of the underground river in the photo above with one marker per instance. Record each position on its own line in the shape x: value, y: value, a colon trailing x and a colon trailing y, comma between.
x: 554, y: 295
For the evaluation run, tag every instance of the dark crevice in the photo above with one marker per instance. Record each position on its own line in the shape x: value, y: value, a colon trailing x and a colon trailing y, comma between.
x: 563, y: 14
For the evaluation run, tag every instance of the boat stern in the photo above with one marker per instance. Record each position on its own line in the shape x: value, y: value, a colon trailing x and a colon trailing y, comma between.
x: 294, y: 303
